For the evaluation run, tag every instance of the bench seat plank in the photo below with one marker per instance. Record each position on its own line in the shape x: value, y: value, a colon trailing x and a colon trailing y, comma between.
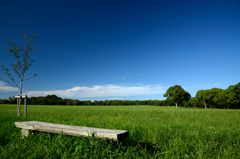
x: 116, y: 135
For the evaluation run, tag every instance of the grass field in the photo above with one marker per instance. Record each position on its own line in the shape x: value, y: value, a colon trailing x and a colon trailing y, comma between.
x: 154, y: 132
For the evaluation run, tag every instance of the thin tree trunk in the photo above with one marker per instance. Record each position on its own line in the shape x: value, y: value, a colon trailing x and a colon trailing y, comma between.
x: 205, y: 105
x: 176, y: 104
x: 25, y: 105
x: 19, y: 101
x: 18, y: 107
x: 21, y: 86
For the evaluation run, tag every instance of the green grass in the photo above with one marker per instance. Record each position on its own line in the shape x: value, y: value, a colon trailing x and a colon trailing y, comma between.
x: 154, y: 132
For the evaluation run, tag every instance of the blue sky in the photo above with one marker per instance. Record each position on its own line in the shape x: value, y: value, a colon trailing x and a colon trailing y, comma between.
x: 133, y: 50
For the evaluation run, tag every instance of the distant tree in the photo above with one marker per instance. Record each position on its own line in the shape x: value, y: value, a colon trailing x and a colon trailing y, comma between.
x: 68, y: 101
x: 202, y: 95
x: 95, y: 102
x: 194, y: 101
x: 107, y: 102
x: 53, y: 100
x: 22, y: 65
x: 124, y: 102
x: 87, y: 102
x: 150, y: 102
x: 220, y: 99
x: 76, y: 102
x: 211, y: 94
x: 144, y: 102
x: 177, y: 94
x: 12, y: 100
x: 5, y: 101
x: 114, y: 102
x: 64, y: 101
x: 161, y: 103
x: 186, y: 103
x: 42, y: 101
x: 156, y: 102
x: 99, y: 102
x: 33, y: 100
x: 233, y: 95
x: 168, y: 102
x: 137, y: 102
x: 207, y: 96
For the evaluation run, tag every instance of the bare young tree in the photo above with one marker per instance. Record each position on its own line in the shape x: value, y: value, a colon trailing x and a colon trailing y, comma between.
x: 22, y: 65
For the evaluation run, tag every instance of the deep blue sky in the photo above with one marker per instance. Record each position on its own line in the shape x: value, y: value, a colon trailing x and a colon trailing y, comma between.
x: 132, y: 50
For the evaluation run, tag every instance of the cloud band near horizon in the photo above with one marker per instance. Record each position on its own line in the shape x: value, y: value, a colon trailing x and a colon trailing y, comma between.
x: 4, y: 88
x: 94, y: 91
x: 102, y: 91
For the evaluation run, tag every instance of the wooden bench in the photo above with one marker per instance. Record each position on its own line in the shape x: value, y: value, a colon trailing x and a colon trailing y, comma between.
x: 115, y: 135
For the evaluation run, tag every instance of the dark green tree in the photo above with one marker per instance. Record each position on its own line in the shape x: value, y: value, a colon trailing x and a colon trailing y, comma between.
x: 76, y: 102
x: 212, y: 93
x: 220, y: 99
x: 87, y: 102
x: 202, y: 96
x: 42, y: 101
x: 12, y: 100
x: 33, y: 100
x: 168, y: 102
x: 177, y: 94
x: 233, y: 95
x: 207, y: 96
x: 95, y: 102
x: 194, y: 102
x: 68, y: 101
x: 22, y: 65
x: 5, y: 101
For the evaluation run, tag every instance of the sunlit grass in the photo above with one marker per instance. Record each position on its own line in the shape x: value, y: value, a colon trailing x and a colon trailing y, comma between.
x: 154, y: 132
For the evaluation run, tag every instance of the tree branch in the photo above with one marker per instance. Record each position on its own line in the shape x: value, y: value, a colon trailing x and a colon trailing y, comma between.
x: 31, y: 77
x: 10, y: 83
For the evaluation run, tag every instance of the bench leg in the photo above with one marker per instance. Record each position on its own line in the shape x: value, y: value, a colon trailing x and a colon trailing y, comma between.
x: 24, y: 133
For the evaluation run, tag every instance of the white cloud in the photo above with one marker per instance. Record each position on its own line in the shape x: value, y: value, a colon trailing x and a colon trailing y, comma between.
x: 4, y: 88
x: 217, y: 84
x: 103, y: 91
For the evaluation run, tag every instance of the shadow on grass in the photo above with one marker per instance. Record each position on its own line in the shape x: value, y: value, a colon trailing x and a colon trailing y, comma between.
x: 129, y: 144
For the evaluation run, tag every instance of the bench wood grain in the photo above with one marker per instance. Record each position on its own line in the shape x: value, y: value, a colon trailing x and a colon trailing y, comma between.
x: 115, y: 135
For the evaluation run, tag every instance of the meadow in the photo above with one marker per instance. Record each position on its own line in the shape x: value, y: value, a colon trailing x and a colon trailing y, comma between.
x: 154, y: 132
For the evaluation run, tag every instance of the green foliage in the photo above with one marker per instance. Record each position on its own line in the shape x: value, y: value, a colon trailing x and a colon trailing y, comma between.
x: 177, y: 94
x: 12, y: 100
x: 5, y: 101
x: 220, y: 99
x: 154, y: 132
x: 211, y: 94
x: 202, y: 95
x: 194, y: 102
x: 233, y: 95
x: 54, y: 100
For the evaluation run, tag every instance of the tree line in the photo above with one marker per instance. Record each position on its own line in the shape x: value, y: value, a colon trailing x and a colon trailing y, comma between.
x: 209, y: 98
x: 55, y: 100
x: 219, y: 98
x: 175, y: 96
